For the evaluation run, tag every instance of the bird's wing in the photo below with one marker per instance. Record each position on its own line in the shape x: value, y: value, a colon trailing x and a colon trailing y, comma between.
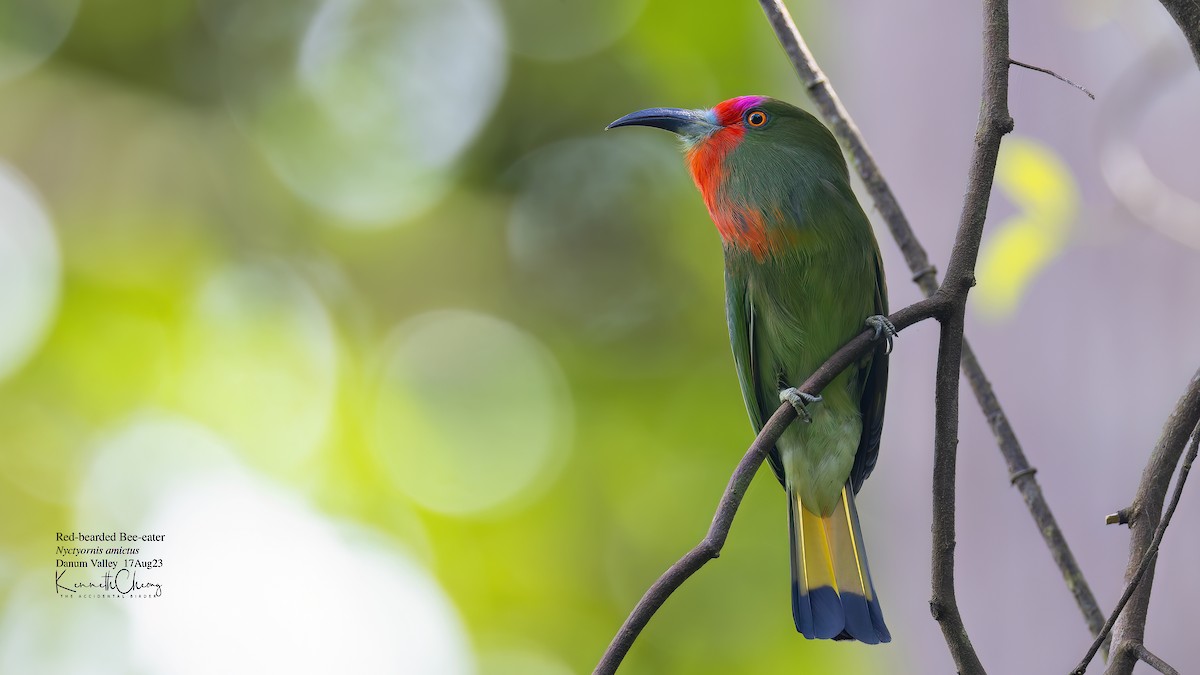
x: 874, y: 392
x: 740, y: 313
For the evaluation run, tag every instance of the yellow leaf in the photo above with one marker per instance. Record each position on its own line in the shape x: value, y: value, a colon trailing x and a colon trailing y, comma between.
x: 1042, y: 188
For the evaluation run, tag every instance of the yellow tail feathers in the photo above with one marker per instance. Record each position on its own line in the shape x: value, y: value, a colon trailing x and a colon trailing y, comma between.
x: 832, y: 595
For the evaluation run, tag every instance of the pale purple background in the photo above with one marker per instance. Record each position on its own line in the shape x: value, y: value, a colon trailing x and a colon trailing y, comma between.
x: 1089, y: 366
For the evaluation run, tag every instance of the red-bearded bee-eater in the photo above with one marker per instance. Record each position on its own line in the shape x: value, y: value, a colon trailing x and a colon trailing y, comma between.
x: 802, y: 273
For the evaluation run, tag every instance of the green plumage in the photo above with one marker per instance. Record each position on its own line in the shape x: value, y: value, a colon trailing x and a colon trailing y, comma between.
x: 790, y: 311
x: 790, y: 308
x: 802, y: 274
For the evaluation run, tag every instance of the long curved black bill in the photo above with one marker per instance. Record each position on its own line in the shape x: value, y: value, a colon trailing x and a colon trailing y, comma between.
x: 675, y: 120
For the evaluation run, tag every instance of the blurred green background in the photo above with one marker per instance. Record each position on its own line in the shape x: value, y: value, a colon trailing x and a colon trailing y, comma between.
x: 418, y: 370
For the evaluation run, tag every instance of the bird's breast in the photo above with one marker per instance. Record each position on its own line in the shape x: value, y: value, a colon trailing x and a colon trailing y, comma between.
x: 739, y: 223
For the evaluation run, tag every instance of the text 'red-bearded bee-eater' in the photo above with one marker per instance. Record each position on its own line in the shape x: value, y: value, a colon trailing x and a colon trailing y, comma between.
x: 802, y: 273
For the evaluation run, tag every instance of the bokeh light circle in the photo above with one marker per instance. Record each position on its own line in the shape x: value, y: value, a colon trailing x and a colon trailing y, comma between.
x: 470, y: 413
x: 258, y: 582
x: 139, y: 461
x: 30, y: 31
x: 234, y: 540
x: 42, y: 633
x: 29, y: 271
x: 379, y: 101
x: 429, y: 71
x: 260, y: 363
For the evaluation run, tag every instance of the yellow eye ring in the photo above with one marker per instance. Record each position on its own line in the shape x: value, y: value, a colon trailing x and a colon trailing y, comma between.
x: 756, y: 118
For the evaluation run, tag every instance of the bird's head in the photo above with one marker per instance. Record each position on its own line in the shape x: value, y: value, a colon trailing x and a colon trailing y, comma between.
x: 753, y: 135
x: 729, y: 120
x: 751, y: 157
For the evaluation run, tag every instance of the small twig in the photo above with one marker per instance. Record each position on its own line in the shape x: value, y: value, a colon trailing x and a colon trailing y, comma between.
x: 1053, y: 74
x: 1153, y: 661
x: 1121, y: 517
x: 710, y: 547
x: 1188, y: 408
x: 924, y: 275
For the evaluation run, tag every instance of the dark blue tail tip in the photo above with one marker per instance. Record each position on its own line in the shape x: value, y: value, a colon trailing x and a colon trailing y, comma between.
x: 802, y: 613
x: 822, y: 614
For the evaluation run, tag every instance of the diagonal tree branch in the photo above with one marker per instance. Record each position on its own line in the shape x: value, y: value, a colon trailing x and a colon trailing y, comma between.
x: 1021, y: 474
x: 1147, y: 530
x: 839, y: 120
x: 925, y: 276
x: 710, y: 547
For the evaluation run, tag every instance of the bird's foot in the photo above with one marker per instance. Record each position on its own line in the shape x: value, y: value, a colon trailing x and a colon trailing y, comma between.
x: 883, y: 328
x: 800, y: 401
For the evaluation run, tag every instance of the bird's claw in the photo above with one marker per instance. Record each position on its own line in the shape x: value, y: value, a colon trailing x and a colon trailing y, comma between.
x: 800, y: 401
x: 883, y: 327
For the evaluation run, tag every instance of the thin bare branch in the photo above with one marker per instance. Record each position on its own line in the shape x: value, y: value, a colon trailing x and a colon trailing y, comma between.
x: 710, y: 547
x: 925, y: 276
x: 994, y: 123
x: 1147, y: 531
x: 1153, y: 661
x: 1022, y: 475
x: 1053, y: 74
x: 835, y: 115
x: 943, y: 604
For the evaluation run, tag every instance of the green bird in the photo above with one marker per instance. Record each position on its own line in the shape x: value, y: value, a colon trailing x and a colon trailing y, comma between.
x: 802, y: 274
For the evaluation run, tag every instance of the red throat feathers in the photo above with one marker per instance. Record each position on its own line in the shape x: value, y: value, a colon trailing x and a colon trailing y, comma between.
x: 739, y: 224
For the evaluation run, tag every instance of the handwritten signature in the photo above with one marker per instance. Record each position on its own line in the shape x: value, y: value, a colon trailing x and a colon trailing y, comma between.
x: 122, y: 581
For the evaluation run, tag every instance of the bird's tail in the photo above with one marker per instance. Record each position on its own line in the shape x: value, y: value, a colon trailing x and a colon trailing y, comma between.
x: 832, y: 595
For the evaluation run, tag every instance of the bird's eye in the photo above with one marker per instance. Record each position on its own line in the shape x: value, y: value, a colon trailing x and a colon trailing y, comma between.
x: 756, y: 118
